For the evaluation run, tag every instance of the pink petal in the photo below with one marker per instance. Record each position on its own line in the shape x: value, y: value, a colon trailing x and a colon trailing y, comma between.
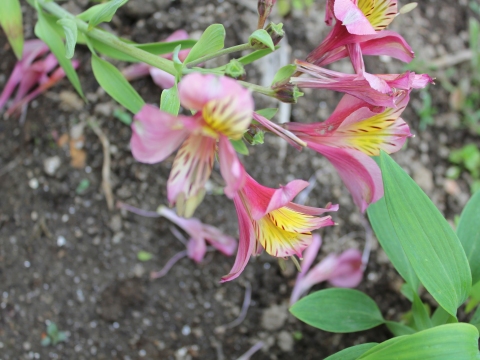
x: 279, y: 131
x: 246, y: 242
x: 223, y: 243
x: 388, y: 43
x: 136, y: 71
x: 352, y: 17
x: 196, y: 249
x: 156, y: 135
x: 358, y: 171
x: 162, y: 78
x: 310, y: 254
x: 348, y: 272
x: 230, y: 167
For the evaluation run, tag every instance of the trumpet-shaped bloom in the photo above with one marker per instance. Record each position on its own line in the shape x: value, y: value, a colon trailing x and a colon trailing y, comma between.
x: 31, y: 76
x: 223, y: 111
x: 355, y: 131
x: 163, y: 79
x: 344, y: 270
x: 269, y: 220
x: 378, y: 90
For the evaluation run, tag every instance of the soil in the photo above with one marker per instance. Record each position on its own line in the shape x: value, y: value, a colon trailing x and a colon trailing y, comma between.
x: 65, y: 258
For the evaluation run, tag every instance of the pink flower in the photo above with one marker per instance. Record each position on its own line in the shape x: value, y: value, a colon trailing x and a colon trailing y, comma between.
x: 223, y: 111
x: 159, y: 77
x: 378, y: 90
x: 28, y: 75
x: 355, y: 131
x: 344, y: 270
x: 268, y: 220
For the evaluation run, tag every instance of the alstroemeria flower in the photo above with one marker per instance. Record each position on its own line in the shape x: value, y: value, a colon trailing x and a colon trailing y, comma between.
x: 159, y: 77
x: 29, y: 75
x: 378, y: 89
x: 355, y: 131
x: 267, y: 219
x: 344, y: 270
x: 223, y: 111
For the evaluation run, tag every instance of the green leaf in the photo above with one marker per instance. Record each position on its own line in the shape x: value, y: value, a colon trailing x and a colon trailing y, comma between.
x: 420, y: 315
x: 161, y: 48
x: 254, y: 56
x: 474, y: 297
x: 115, y: 85
x: 88, y: 14
x: 399, y: 329
x: 46, y: 32
x: 70, y: 29
x: 446, y: 342
x: 338, y: 310
x: 268, y: 113
x: 261, y: 38
x: 211, y: 41
x: 240, y: 146
x: 429, y: 242
x: 440, y: 317
x: 144, y: 256
x: 11, y: 22
x: 351, y: 353
x: 475, y: 321
x: 386, y: 235
x: 468, y: 232
x: 284, y: 73
x: 169, y: 100
x: 123, y: 116
x: 105, y: 13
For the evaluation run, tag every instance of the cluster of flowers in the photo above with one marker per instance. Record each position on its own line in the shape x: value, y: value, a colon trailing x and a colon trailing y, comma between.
x: 366, y: 120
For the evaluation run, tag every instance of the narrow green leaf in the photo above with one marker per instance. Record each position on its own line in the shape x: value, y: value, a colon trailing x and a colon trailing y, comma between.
x: 284, y: 73
x: 338, y: 310
x: 440, y: 317
x: 420, y: 315
x: 268, y: 113
x: 399, y: 329
x: 211, y: 40
x: 88, y: 14
x: 161, y: 48
x: 445, y: 342
x: 386, y: 235
x: 169, y: 100
x: 115, y: 85
x: 240, y: 146
x: 70, y: 29
x: 468, y: 232
x: 45, y: 32
x: 352, y: 353
x: 105, y: 14
x: 261, y: 38
x: 11, y: 22
x: 474, y: 297
x: 123, y: 116
x: 475, y: 321
x: 429, y: 242
x: 254, y: 56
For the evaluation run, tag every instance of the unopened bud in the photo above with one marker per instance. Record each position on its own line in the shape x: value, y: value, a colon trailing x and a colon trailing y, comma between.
x: 234, y: 69
x: 276, y: 32
x: 287, y: 92
x: 264, y: 9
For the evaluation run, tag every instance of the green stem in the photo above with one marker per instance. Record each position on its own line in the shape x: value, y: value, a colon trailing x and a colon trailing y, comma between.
x: 216, y: 54
x: 257, y: 88
x: 111, y: 40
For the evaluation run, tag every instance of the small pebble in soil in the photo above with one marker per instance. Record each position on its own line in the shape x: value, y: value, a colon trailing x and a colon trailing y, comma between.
x: 27, y: 264
x: 61, y: 241
x: 186, y: 330
x: 51, y: 165
x: 33, y: 183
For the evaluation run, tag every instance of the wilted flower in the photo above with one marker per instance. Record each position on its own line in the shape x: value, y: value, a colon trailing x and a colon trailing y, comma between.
x: 159, y: 77
x: 355, y: 131
x: 223, y: 112
x: 344, y: 270
x: 267, y: 219
x: 32, y: 77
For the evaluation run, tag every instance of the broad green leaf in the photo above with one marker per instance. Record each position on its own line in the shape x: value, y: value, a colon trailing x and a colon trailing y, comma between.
x: 338, y: 310
x: 70, y: 29
x: 352, y: 353
x: 420, y: 315
x: 407, y: 291
x: 211, y: 41
x: 261, y: 38
x: 268, y: 113
x: 169, y: 100
x: 475, y: 321
x: 240, y: 146
x: 284, y: 73
x: 11, y: 22
x: 399, y: 329
x: 445, y: 342
x: 161, y: 48
x: 386, y: 235
x: 45, y: 32
x: 474, y: 297
x: 105, y: 13
x: 115, y: 84
x: 468, y: 232
x: 430, y: 244
x: 440, y: 317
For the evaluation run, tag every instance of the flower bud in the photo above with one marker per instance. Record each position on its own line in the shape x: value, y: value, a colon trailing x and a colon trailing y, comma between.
x: 276, y: 32
x: 234, y: 69
x: 287, y: 92
x: 264, y: 9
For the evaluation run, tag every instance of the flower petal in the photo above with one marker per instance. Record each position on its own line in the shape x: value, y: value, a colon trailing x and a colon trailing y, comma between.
x: 380, y: 13
x: 279, y: 131
x: 223, y: 243
x: 196, y: 249
x: 230, y: 167
x: 352, y: 17
x: 156, y: 135
x: 162, y: 78
x: 190, y: 171
x: 348, y: 272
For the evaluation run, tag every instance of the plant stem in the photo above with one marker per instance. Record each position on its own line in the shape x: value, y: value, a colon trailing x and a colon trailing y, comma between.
x: 257, y: 88
x: 214, y: 55
x: 111, y: 40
